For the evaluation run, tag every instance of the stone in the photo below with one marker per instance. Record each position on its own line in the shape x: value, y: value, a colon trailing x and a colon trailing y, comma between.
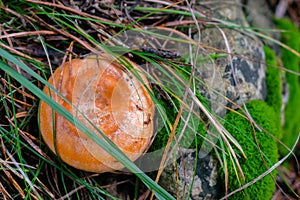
x: 239, y: 75
x: 194, y: 183
x: 230, y: 70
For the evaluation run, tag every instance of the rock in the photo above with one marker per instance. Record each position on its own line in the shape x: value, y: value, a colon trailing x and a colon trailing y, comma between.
x: 258, y: 14
x: 198, y: 184
x: 238, y: 76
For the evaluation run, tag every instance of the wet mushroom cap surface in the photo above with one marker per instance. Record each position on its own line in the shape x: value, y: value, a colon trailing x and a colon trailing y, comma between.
x: 114, y: 99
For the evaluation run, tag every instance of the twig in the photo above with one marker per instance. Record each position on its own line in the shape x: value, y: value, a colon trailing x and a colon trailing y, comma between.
x: 25, y: 34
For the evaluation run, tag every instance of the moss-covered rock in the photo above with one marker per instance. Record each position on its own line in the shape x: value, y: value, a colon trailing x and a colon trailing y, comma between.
x: 291, y: 37
x: 254, y: 165
x: 273, y: 81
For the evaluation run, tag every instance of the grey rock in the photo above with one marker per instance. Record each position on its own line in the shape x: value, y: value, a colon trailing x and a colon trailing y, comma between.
x: 240, y: 75
x: 258, y: 15
x: 196, y: 177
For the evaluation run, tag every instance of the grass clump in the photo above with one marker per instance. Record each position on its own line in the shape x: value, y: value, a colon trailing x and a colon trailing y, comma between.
x: 258, y: 159
x: 290, y: 61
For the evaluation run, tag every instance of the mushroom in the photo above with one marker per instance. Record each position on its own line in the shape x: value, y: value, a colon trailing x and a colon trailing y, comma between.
x: 108, y: 95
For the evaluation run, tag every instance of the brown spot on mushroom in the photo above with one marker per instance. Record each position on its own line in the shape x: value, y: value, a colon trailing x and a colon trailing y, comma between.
x: 148, y: 119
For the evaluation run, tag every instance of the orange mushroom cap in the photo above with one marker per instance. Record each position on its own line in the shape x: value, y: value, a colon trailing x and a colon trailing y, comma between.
x: 112, y: 98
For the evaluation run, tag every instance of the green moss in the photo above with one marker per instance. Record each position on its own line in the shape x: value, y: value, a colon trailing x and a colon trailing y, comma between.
x: 189, y: 140
x: 273, y: 80
x: 162, y: 136
x: 254, y: 166
x: 291, y: 61
x: 170, y: 107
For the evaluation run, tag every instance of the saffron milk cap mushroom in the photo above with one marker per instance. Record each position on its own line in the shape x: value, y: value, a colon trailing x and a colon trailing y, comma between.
x: 111, y: 97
